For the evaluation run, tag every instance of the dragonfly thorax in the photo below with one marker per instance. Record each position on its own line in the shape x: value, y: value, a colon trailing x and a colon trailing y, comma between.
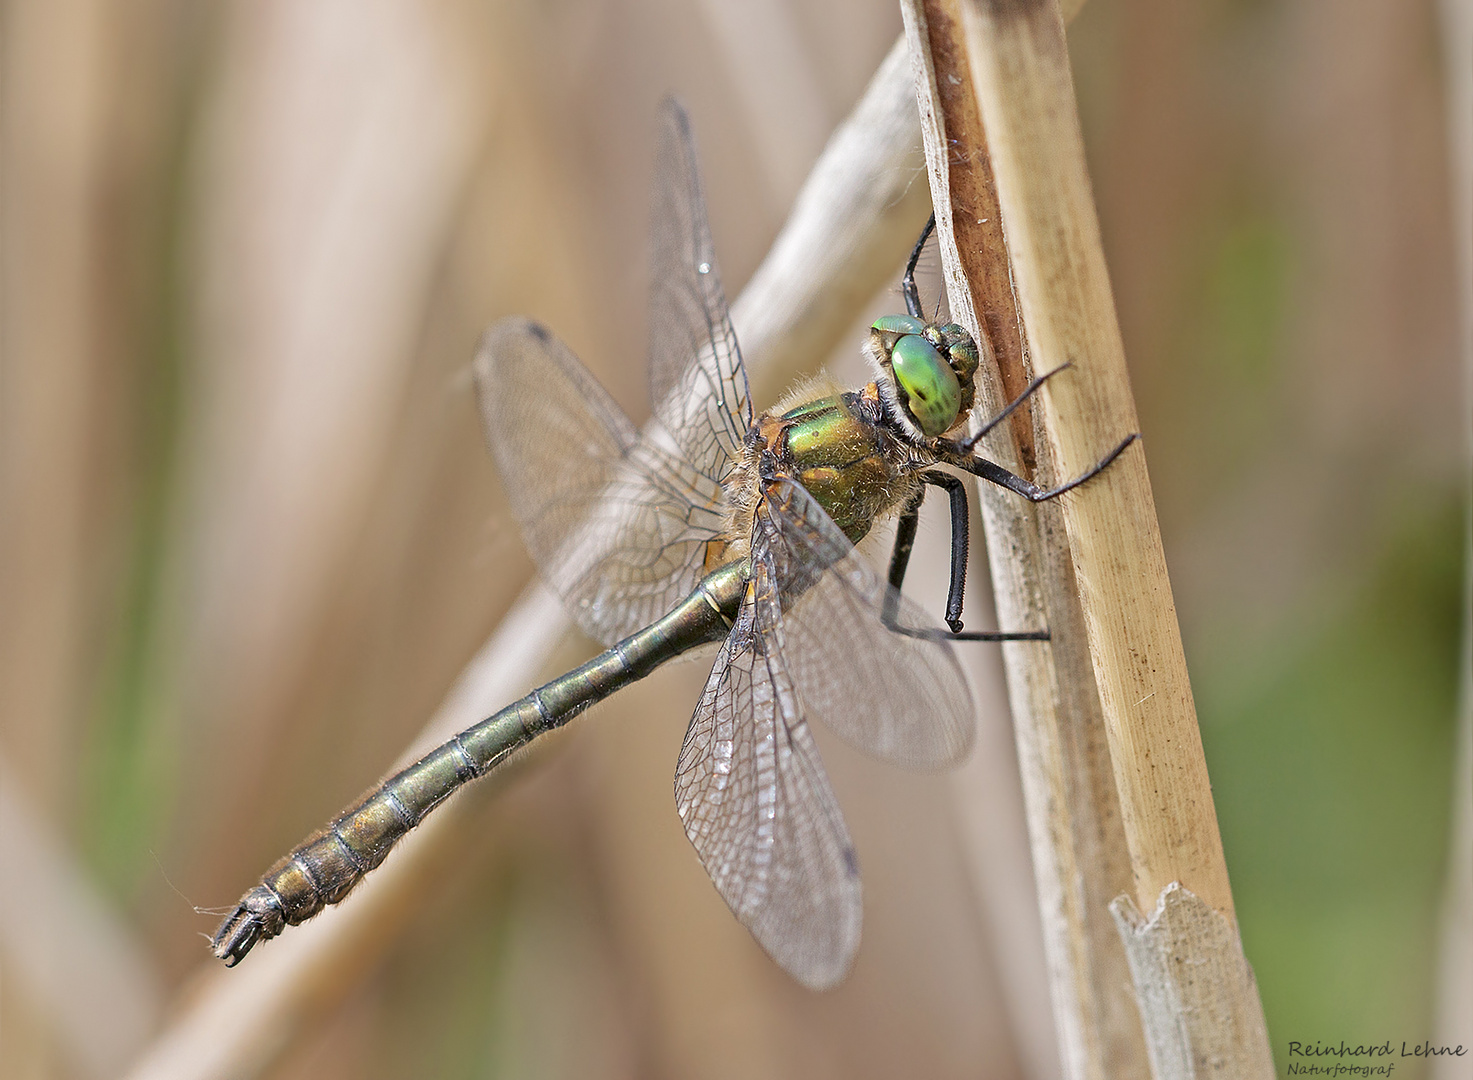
x: 840, y: 446
x: 925, y: 373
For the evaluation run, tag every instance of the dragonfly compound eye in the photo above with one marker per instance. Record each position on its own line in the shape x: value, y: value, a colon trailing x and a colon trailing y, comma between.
x: 929, y: 388
x: 898, y: 325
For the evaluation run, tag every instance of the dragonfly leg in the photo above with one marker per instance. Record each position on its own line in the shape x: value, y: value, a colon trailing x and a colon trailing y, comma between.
x: 960, y: 543
x: 905, y: 533
x: 908, y: 282
x: 996, y: 474
x: 965, y: 445
x: 905, y: 538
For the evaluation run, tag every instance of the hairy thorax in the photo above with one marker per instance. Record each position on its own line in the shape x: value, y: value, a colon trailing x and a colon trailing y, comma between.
x: 837, y: 447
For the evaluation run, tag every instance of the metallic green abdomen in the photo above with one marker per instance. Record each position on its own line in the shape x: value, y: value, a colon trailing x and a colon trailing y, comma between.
x: 325, y: 869
x: 839, y: 458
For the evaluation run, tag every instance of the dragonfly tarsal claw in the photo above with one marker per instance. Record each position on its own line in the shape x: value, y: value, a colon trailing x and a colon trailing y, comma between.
x: 258, y: 917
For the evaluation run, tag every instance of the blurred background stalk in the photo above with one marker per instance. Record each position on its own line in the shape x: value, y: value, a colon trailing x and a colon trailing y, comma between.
x: 249, y: 534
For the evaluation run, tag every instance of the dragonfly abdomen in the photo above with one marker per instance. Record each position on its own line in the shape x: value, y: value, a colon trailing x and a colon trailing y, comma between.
x: 325, y: 868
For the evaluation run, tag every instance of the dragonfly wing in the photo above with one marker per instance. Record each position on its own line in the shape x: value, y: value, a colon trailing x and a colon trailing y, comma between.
x: 898, y: 697
x: 698, y: 384
x: 757, y: 805
x: 617, y: 525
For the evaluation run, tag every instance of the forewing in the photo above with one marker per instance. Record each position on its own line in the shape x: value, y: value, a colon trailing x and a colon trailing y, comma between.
x: 616, y: 524
x: 698, y: 385
x: 898, y: 697
x: 757, y: 805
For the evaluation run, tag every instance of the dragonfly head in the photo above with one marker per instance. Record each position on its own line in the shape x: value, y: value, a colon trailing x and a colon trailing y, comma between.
x: 925, y: 372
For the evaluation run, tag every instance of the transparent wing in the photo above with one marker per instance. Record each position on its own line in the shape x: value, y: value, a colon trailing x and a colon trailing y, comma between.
x: 898, y: 697
x: 617, y: 525
x: 698, y: 385
x: 757, y: 805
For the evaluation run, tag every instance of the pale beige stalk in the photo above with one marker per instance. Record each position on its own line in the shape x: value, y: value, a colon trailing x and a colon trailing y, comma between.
x: 1199, y: 1004
x: 1079, y: 855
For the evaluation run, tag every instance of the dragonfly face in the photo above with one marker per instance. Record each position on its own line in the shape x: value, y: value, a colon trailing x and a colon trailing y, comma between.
x: 925, y: 372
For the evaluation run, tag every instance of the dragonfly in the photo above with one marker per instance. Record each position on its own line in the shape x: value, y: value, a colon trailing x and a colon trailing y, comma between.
x: 715, y: 526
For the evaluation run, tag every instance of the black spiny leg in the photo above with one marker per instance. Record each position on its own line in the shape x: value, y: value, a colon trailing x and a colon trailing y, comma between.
x: 996, y: 474
x: 908, y: 282
x: 960, y: 543
x: 905, y: 539
x: 905, y: 535
x: 973, y: 439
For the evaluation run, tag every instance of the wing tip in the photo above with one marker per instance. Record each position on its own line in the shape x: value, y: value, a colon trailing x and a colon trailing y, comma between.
x: 826, y: 968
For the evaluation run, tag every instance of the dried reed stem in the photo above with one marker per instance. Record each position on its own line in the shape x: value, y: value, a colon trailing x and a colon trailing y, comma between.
x: 1021, y: 73
x: 1006, y: 66
x: 1079, y: 854
x: 835, y: 251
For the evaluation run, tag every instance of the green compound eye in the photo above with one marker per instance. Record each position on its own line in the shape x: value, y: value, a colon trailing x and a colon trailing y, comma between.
x: 898, y: 324
x: 933, y: 393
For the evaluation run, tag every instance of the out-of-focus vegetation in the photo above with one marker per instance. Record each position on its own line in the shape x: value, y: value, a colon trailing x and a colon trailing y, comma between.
x: 1273, y: 189
x: 249, y: 533
x: 1338, y: 836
